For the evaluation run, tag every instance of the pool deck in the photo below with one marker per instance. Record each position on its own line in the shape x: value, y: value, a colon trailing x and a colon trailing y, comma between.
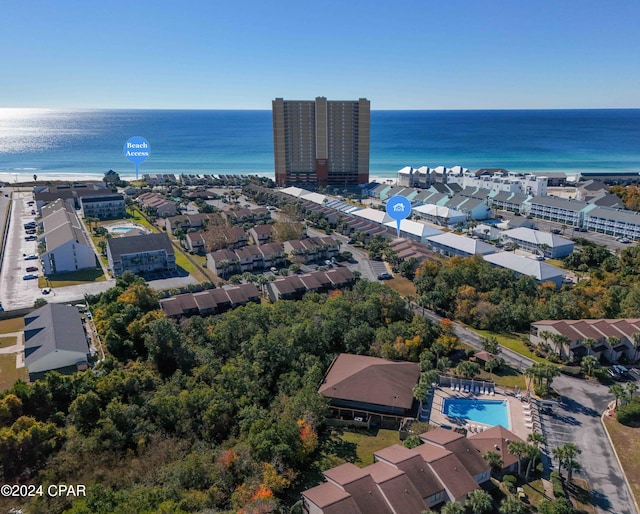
x: 522, y: 415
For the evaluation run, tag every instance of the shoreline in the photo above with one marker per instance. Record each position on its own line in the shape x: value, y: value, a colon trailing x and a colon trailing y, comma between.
x: 18, y: 177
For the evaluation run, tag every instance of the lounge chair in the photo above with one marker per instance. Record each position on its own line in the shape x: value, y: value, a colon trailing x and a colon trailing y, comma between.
x: 492, y: 393
x: 453, y: 386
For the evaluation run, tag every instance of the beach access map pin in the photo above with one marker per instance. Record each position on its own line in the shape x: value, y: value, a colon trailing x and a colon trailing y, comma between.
x: 398, y: 208
x: 137, y: 149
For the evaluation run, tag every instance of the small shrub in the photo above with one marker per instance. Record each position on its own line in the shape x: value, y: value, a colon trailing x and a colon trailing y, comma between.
x: 510, y: 482
x: 629, y: 414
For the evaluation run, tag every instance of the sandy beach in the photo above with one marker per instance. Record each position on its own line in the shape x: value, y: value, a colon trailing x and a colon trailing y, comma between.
x: 24, y: 177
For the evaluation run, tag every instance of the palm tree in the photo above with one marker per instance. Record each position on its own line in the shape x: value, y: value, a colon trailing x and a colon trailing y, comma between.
x: 545, y: 335
x: 560, y: 340
x: 558, y: 453
x: 618, y: 392
x: 493, y: 459
x: 511, y: 505
x: 630, y: 388
x: 613, y: 341
x: 589, y: 343
x: 452, y: 508
x: 571, y: 451
x: 589, y: 363
x: 519, y: 449
x: 479, y: 501
x: 534, y: 453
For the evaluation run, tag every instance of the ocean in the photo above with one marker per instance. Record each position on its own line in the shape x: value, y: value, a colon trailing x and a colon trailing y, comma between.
x: 90, y: 142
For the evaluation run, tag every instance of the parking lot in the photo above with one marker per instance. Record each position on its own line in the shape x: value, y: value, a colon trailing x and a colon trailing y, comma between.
x: 577, y: 420
x: 14, y: 291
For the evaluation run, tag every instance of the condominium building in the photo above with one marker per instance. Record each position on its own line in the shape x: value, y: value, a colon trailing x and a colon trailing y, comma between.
x: 140, y: 254
x: 104, y: 207
x: 616, y: 222
x: 320, y: 142
x: 560, y: 210
x: 67, y: 246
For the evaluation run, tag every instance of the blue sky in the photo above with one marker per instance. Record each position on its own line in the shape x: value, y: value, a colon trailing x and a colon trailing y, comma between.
x: 426, y: 54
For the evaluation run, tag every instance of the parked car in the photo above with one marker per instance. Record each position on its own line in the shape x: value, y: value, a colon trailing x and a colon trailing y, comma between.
x: 30, y: 231
x: 556, y: 231
x: 30, y: 276
x: 623, y: 240
x: 612, y: 373
x: 384, y: 276
x: 31, y: 238
x: 32, y: 268
x: 33, y: 213
x: 46, y: 290
x: 31, y: 257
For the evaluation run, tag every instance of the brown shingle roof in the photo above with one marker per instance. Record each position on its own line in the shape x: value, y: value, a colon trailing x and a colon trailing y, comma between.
x: 496, y: 439
x: 371, y: 380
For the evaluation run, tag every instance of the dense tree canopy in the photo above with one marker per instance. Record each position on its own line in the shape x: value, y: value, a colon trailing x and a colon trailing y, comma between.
x: 219, y: 413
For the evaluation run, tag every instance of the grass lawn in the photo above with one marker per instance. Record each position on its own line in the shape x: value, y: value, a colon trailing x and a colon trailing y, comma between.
x: 506, y: 377
x: 402, y: 285
x: 510, y: 342
x: 535, y: 491
x: 367, y: 443
x: 138, y: 217
x: 8, y: 372
x: 8, y: 326
x: 72, y: 279
x: 5, y: 342
x: 626, y: 441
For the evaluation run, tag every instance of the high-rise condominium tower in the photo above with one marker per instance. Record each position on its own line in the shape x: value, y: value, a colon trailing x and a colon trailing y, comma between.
x: 319, y: 142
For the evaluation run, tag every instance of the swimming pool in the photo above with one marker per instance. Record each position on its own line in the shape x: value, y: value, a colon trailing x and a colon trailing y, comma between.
x: 121, y: 229
x: 487, y: 412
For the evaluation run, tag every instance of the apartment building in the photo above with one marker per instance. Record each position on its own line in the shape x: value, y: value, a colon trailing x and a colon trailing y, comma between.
x: 615, y: 222
x: 141, y: 254
x: 104, y: 207
x: 321, y: 142
x: 67, y: 246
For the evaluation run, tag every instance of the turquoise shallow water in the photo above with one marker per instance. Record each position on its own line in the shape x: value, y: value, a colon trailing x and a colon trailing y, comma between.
x: 487, y: 412
x: 88, y: 142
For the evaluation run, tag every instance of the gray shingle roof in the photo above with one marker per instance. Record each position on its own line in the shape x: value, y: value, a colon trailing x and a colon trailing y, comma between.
x: 139, y: 244
x: 50, y: 328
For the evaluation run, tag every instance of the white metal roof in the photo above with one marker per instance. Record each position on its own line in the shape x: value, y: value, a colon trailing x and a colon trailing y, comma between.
x: 463, y: 243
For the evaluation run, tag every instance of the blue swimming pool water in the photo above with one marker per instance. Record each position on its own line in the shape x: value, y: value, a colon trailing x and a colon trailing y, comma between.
x: 121, y: 229
x: 487, y: 412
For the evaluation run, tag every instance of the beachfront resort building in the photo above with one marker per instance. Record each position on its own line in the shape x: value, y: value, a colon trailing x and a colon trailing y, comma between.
x: 72, y: 194
x: 321, y: 142
x: 67, y: 247
x: 140, y: 254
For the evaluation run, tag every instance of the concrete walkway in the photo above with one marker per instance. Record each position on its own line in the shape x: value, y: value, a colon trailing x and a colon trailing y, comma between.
x: 17, y: 348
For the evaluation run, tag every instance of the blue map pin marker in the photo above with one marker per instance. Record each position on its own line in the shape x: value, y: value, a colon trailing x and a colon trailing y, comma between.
x: 137, y: 150
x: 398, y: 208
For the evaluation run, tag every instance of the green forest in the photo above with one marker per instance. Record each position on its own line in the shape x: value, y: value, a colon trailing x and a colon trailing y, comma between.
x: 210, y: 415
x: 472, y: 291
